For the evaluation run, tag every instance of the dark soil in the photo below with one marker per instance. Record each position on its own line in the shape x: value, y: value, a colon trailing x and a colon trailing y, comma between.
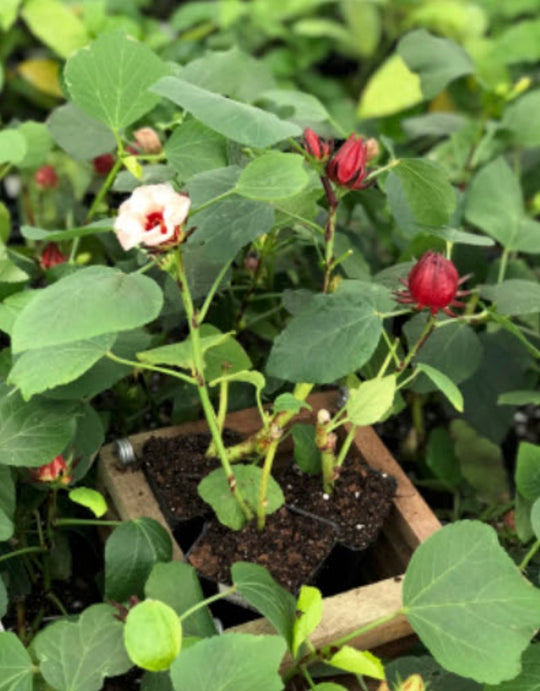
x: 296, y: 539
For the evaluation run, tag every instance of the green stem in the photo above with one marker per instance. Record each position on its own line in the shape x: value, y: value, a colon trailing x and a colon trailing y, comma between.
x: 52, y: 597
x: 198, y: 376
x: 502, y: 267
x: 330, y: 232
x: 152, y: 368
x: 104, y: 189
x: 263, y: 486
x: 21, y: 552
x: 204, y: 206
x: 206, y: 305
x: 84, y: 521
x: 430, y: 325
x: 208, y: 601
x: 530, y: 554
x: 364, y: 629
x: 344, y: 450
x: 375, y: 173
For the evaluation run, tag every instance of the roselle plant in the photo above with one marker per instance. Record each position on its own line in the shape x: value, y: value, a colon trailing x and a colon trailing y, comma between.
x: 275, y: 239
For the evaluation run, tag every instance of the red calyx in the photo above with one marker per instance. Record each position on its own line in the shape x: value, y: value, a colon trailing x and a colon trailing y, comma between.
x: 316, y: 146
x: 347, y: 167
x: 433, y: 283
x: 46, y: 177
x: 51, y: 256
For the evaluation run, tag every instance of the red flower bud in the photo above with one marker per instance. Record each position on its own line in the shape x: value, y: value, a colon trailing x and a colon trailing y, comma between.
x: 55, y: 470
x: 46, y: 177
x: 103, y: 164
x: 51, y: 256
x: 433, y: 282
x: 347, y: 167
x: 316, y: 146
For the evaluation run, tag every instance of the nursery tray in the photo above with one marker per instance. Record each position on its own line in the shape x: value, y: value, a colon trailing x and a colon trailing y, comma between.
x: 409, y: 523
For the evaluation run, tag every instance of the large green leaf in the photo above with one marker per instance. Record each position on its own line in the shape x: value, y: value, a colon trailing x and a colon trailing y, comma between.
x: 32, y: 434
x: 131, y: 552
x: 268, y: 597
x: 273, y: 175
x: 237, y: 121
x: 514, y: 296
x: 419, y: 195
x: 239, y: 662
x: 176, y: 584
x: 109, y: 79
x: 56, y: 25
x: 16, y: 666
x: 77, y: 656
x: 494, y: 203
x: 370, y: 400
x: 527, y: 474
x: 66, y: 124
x: 469, y: 604
x: 333, y: 336
x: 194, y: 148
x: 437, y: 61
x: 152, y: 635
x: 37, y: 370
x: 93, y: 301
x: 520, y: 118
x: 529, y: 677
x: 12, y: 146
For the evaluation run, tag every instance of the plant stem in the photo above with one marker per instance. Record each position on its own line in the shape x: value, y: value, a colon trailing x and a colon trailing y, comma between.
x: 345, y: 446
x: 364, y: 629
x: 21, y: 552
x: 204, y: 206
x: 503, y: 264
x: 104, y: 189
x: 429, y: 327
x: 152, y: 368
x: 530, y: 554
x: 198, y: 376
x: 84, y: 521
x: 263, y: 486
x: 208, y: 601
x: 208, y: 301
x: 330, y: 232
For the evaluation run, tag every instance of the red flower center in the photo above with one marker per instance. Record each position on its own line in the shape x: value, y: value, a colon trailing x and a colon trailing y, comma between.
x: 156, y: 219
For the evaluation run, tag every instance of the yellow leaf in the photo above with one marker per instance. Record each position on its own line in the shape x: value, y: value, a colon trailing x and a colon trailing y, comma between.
x: 392, y: 88
x: 41, y: 74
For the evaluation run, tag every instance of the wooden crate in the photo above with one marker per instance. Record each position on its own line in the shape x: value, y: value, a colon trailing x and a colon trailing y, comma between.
x: 409, y: 523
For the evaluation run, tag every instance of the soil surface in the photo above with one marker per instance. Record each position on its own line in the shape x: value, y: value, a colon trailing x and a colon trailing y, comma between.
x: 297, y: 538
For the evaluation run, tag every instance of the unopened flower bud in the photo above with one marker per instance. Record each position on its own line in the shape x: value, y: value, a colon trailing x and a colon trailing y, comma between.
x: 148, y: 140
x: 103, y: 164
x: 413, y: 683
x: 51, y: 256
x: 347, y: 167
x: 434, y: 283
x: 46, y: 177
x: 53, y: 471
x: 316, y: 146
x: 372, y: 149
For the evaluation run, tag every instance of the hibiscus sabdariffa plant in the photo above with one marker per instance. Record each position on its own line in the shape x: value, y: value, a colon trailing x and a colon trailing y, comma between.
x: 155, y: 218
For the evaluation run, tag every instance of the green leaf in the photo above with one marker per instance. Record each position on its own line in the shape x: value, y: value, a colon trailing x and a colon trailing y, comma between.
x: 158, y: 681
x: 519, y: 398
x: 494, y: 203
x: 37, y: 370
x: 527, y: 473
x: 237, y: 121
x: 393, y: 87
x: 472, y: 623
x: 38, y: 143
x: 308, y: 615
x: 7, y: 527
x: 12, y: 146
x: 245, y: 663
x: 4, y: 602
x: 93, y: 301
x: 306, y: 108
x: 287, y: 402
x: 306, y: 453
x: 370, y: 401
x: 419, y: 195
x: 529, y: 677
x: 229, y: 354
x: 518, y: 42
x: 357, y: 662
x: 441, y: 459
x: 153, y: 635
x: 334, y: 335
x: 181, y: 354
x: 15, y: 664
x: 520, y: 120
x: 55, y: 25
x: 194, y: 148
x: 273, y: 175
x: 33, y: 233
x: 77, y: 656
x: 437, y: 61
x: 7, y: 492
x: 535, y: 518
x: 89, y: 498
x: 8, y: 13
x: 256, y: 379
x: 460, y: 237
x: 32, y: 433
x: 176, y: 584
x: 215, y: 490
x: 66, y: 124
x: 514, y: 296
x: 131, y: 552
x: 444, y: 384
x: 275, y: 603
x: 110, y: 79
